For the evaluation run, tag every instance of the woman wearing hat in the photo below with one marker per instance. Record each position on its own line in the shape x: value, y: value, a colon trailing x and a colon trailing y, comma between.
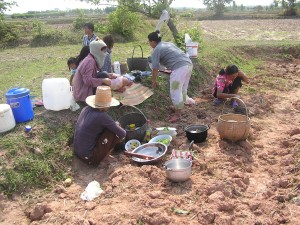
x: 96, y: 133
x: 168, y: 55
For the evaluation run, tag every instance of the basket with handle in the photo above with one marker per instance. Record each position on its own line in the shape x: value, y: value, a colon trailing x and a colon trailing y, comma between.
x: 234, y: 127
x: 133, y: 115
x: 137, y: 63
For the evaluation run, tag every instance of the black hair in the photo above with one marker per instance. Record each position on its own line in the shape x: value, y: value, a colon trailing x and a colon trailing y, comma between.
x: 83, y: 53
x: 89, y: 25
x: 109, y: 41
x: 231, y: 69
x: 155, y: 36
x: 71, y: 60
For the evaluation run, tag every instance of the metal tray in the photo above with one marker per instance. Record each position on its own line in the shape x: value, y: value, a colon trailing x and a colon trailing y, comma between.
x: 155, y: 149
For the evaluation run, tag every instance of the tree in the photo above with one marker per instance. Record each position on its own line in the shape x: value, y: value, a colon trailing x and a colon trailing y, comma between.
x: 151, y: 8
x: 290, y: 7
x: 217, y: 5
x: 5, y: 5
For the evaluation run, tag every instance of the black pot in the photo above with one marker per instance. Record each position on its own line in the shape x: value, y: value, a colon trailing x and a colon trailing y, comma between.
x: 196, y: 133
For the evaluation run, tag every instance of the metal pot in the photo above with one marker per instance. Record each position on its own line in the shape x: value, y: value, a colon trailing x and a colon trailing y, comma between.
x: 178, y: 170
x: 196, y: 133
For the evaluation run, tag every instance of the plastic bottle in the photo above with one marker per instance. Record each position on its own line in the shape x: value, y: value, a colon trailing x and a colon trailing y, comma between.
x: 148, y: 132
x: 117, y: 68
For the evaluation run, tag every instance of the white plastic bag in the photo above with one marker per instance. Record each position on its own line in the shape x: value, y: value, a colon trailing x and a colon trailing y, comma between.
x: 187, y: 39
x: 92, y: 191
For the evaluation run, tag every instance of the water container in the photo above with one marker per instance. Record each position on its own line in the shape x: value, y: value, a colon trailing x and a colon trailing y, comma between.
x: 192, y: 49
x: 20, y: 103
x: 7, y: 120
x: 56, y: 93
x: 117, y: 68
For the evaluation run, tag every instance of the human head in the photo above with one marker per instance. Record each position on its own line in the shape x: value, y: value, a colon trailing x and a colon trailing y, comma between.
x: 109, y: 41
x: 83, y: 53
x: 98, y: 50
x: 154, y: 38
x: 103, y: 99
x: 88, y: 28
x: 231, y: 70
x: 72, y: 63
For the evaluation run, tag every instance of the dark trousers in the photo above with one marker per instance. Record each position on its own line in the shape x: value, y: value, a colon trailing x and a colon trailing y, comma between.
x: 104, y: 146
x: 237, y: 83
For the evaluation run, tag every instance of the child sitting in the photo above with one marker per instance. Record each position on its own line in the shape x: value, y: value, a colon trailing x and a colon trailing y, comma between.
x: 72, y: 67
x: 228, y: 83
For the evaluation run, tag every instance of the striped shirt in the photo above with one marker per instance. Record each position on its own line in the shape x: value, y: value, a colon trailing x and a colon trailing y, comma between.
x: 86, y: 40
x: 107, y: 62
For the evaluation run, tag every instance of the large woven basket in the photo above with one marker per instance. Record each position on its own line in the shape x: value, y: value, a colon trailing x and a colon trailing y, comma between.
x: 137, y: 63
x: 234, y: 127
x: 133, y: 117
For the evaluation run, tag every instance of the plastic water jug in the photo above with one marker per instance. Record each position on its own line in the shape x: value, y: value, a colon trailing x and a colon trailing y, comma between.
x: 56, y: 93
x: 20, y: 103
x: 117, y: 68
x: 7, y: 120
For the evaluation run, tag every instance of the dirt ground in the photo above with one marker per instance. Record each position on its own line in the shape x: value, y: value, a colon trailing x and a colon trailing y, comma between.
x: 249, y: 182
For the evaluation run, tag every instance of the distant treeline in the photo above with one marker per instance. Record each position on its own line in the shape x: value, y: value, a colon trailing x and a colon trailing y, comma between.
x: 57, y: 13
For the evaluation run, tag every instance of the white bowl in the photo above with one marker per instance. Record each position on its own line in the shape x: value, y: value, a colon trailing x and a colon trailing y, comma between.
x: 161, y: 137
x: 132, y: 144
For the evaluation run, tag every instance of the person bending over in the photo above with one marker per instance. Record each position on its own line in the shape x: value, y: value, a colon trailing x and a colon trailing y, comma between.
x: 228, y: 83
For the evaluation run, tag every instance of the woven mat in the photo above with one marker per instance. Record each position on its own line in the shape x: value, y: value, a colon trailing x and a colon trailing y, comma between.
x: 134, y: 95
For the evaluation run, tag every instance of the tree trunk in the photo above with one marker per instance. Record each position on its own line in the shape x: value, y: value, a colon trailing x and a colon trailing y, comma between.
x: 173, y: 28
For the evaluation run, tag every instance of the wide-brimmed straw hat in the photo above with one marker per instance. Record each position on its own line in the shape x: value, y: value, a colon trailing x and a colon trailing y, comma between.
x: 102, y: 99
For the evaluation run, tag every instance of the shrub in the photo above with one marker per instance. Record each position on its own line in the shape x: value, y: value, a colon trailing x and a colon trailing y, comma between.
x: 8, y: 37
x: 123, y: 22
x: 195, y: 34
x: 79, y: 21
x: 47, y: 38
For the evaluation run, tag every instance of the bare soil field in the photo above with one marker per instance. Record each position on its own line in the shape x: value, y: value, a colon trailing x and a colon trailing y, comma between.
x: 249, y: 182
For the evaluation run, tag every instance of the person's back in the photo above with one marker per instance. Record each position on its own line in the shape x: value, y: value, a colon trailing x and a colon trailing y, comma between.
x: 170, y: 56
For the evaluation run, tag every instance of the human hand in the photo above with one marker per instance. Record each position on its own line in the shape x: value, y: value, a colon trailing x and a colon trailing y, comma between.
x: 106, y: 81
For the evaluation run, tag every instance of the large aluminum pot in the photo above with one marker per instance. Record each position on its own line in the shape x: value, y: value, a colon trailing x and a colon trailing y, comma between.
x: 178, y: 170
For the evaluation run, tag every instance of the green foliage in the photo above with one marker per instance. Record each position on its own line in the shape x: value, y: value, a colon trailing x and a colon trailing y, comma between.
x: 195, y: 34
x: 217, y: 6
x: 8, y: 37
x: 27, y: 169
x: 100, y: 28
x: 79, y: 21
x: 43, y: 36
x: 37, y: 14
x: 123, y: 22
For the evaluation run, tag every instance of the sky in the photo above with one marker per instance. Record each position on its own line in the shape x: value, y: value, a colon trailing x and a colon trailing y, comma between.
x: 42, y: 5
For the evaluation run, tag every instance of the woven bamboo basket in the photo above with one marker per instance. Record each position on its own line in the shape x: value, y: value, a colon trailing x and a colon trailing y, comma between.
x: 234, y: 127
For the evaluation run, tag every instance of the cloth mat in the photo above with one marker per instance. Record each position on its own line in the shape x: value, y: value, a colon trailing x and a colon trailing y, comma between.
x: 134, y: 95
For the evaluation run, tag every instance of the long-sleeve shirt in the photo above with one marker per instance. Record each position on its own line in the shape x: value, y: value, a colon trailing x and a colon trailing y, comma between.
x: 90, y: 125
x: 85, y: 78
x: 107, y: 62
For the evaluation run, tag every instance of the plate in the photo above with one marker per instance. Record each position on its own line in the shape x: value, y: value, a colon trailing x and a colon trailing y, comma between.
x: 132, y: 144
x: 156, y: 150
x: 164, y: 137
x: 166, y: 128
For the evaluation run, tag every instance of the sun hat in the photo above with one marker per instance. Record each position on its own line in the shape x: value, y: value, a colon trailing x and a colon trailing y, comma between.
x: 102, y: 99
